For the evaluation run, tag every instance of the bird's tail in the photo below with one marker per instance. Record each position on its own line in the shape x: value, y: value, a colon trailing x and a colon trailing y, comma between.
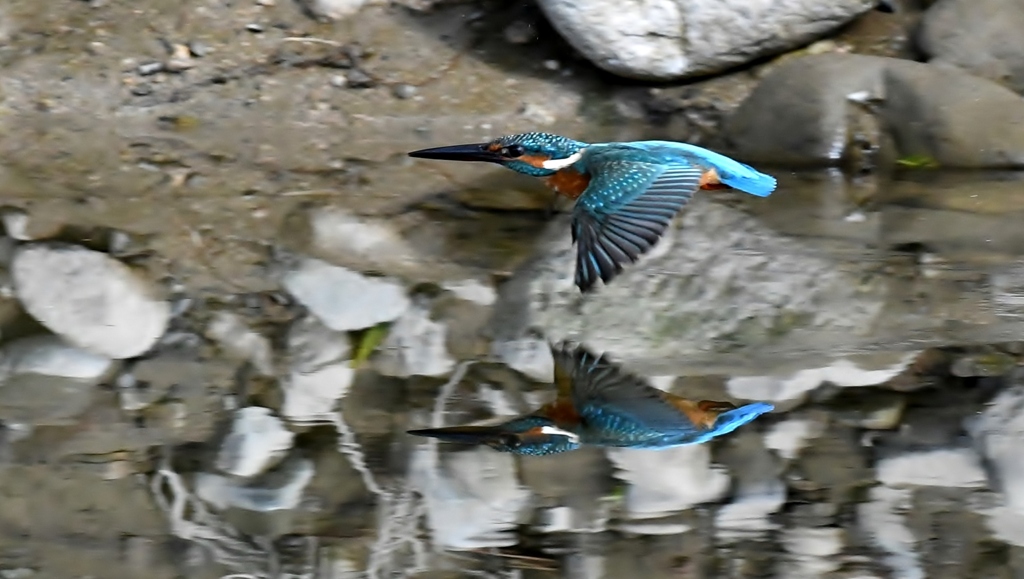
x: 749, y: 180
x: 733, y: 419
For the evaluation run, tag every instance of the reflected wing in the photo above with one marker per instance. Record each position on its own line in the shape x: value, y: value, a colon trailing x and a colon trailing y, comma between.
x: 599, y: 388
x: 624, y: 211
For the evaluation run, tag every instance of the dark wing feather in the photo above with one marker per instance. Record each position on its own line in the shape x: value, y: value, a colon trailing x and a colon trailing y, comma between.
x: 624, y: 211
x: 600, y: 385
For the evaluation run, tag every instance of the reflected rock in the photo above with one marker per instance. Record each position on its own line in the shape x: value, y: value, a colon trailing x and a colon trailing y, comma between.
x: 999, y: 433
x: 278, y: 490
x: 666, y: 481
x: 473, y: 498
x: 343, y: 299
x: 728, y: 285
x: 529, y: 356
x: 256, y: 441
x: 812, y: 552
x: 46, y: 381
x: 311, y: 397
x: 938, y: 113
x: 788, y: 437
x: 312, y: 345
x: 90, y: 299
x: 758, y: 491
x: 859, y: 371
x: 241, y: 342
x: 416, y: 345
x: 882, y: 520
x: 943, y: 467
x: 669, y: 39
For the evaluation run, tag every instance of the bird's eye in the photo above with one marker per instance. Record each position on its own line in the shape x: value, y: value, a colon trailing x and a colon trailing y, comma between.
x: 513, y: 151
x: 510, y: 440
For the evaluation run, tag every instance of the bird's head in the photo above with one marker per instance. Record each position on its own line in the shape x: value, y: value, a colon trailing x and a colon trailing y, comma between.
x: 535, y: 154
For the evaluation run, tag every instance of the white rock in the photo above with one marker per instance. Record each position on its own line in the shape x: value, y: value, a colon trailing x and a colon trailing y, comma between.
x: 473, y: 498
x: 750, y: 510
x: 336, y: 9
x: 530, y: 356
x: 49, y: 355
x: 257, y: 440
x: 999, y: 432
x: 944, y: 468
x: 472, y: 291
x: 313, y: 396
x: 90, y: 299
x: 671, y: 39
x: 343, y: 299
x: 415, y: 346
x: 280, y: 492
x: 239, y: 341
x: 666, y: 481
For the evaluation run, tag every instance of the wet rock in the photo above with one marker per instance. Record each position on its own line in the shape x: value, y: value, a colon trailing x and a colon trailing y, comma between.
x: 235, y: 337
x: 981, y: 36
x: 530, y: 356
x: 415, y: 346
x: 728, y: 284
x: 257, y: 439
x: 667, y: 481
x: 812, y: 551
x: 788, y: 437
x: 671, y: 39
x: 343, y: 299
x: 999, y: 434
x: 758, y: 491
x: 311, y: 396
x: 933, y: 112
x: 872, y: 410
x: 989, y: 362
x: 473, y: 498
x: 882, y: 521
x: 472, y: 290
x: 90, y: 299
x: 278, y: 490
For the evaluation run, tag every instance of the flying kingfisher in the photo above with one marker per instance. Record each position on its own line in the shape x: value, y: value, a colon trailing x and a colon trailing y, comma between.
x: 626, y: 193
x: 599, y: 404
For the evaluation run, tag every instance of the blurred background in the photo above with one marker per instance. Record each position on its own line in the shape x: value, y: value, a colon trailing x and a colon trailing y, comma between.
x: 227, y: 292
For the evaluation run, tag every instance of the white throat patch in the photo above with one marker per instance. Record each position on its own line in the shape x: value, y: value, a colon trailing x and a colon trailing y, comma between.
x: 556, y: 164
x: 558, y: 431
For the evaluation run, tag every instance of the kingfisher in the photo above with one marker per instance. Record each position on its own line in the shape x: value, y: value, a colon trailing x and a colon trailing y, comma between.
x: 625, y: 194
x: 599, y: 404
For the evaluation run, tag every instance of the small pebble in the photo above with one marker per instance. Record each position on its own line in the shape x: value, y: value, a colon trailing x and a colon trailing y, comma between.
x: 255, y: 28
x: 181, y: 59
x: 359, y: 79
x: 404, y: 91
x: 198, y: 49
x: 339, y: 81
x: 519, y: 32
x: 144, y: 89
x: 551, y: 64
x: 149, y: 68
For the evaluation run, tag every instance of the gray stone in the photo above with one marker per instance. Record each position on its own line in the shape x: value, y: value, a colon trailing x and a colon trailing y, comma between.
x: 345, y: 300
x: 278, y: 490
x: 804, y: 113
x: 241, y: 342
x: 981, y: 36
x: 49, y: 355
x: 672, y: 39
x: 90, y: 299
x: 311, y: 396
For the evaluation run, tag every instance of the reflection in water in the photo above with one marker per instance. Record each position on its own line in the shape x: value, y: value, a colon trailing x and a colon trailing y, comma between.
x: 889, y: 350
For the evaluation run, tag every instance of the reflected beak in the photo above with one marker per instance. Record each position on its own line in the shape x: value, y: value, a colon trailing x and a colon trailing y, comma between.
x: 474, y: 152
x: 463, y: 434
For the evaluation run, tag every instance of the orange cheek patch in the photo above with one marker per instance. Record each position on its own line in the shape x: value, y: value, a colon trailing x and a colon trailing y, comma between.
x: 568, y: 182
x: 561, y: 412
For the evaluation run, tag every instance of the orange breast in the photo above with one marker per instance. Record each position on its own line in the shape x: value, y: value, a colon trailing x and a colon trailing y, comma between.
x: 568, y: 182
x: 561, y: 411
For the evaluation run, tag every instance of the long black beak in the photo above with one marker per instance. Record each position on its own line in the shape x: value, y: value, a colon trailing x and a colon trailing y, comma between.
x: 464, y: 434
x: 474, y: 152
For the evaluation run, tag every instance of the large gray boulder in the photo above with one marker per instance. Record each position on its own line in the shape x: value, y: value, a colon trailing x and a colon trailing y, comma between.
x: 981, y: 36
x: 672, y: 39
x: 807, y: 111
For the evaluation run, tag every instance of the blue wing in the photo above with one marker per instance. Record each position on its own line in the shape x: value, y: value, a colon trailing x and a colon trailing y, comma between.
x: 624, y: 211
x: 730, y: 171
